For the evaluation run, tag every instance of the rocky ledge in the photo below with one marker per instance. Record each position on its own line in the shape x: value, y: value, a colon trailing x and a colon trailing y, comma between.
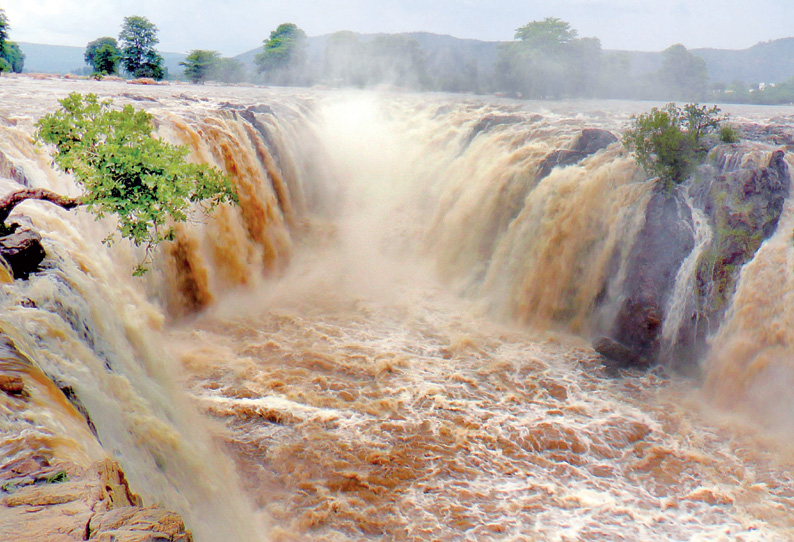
x: 741, y: 192
x: 50, y: 487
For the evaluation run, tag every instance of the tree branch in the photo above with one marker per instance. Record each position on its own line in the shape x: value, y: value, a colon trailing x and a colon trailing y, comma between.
x: 9, y: 201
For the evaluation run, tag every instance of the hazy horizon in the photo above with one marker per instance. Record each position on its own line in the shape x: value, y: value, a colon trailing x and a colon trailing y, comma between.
x: 238, y: 26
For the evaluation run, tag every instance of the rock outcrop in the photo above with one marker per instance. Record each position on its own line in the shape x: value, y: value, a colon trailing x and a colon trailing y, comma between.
x: 659, y: 248
x: 73, y: 505
x: 742, y: 199
x: 589, y: 142
x: 56, y: 483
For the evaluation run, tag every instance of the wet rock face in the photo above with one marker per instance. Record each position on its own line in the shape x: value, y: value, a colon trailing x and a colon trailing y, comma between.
x: 72, y: 505
x: 743, y: 206
x: 658, y: 251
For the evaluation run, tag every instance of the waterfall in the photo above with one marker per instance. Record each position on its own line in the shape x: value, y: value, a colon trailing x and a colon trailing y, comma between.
x: 353, y: 337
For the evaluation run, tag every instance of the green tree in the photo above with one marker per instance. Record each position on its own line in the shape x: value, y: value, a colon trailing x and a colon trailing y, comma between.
x: 200, y: 65
x: 671, y: 141
x: 549, y: 35
x: 548, y: 60
x: 683, y: 76
x: 145, y: 182
x: 4, y: 27
x: 136, y: 41
x: 102, y: 55
x: 283, y: 58
x: 12, y: 58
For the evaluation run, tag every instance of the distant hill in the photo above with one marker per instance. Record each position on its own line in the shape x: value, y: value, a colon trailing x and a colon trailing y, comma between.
x: 62, y: 59
x: 52, y: 58
x: 766, y: 62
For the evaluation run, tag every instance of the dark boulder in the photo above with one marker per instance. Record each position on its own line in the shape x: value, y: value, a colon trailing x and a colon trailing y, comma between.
x: 22, y: 251
x: 489, y: 122
x: 590, y: 141
x: 616, y: 353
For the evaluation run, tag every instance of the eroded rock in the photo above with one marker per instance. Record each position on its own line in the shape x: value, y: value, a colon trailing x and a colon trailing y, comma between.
x: 742, y: 203
x: 12, y: 385
x: 96, y: 504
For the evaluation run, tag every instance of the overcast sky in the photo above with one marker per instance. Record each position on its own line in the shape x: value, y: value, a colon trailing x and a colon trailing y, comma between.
x: 236, y: 26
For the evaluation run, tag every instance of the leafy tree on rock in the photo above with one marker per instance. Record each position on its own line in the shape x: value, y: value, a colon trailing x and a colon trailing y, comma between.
x: 102, y: 55
x: 670, y: 142
x: 549, y: 35
x: 283, y: 59
x: 138, y: 56
x: 200, y: 64
x: 145, y: 182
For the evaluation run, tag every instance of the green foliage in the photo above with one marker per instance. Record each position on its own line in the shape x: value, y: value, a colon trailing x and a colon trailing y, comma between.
x: 102, y: 55
x: 11, y: 57
x: 199, y: 65
x: 728, y: 134
x: 124, y: 171
x: 57, y: 478
x: 283, y: 58
x: 671, y: 141
x: 137, y: 40
x: 549, y: 35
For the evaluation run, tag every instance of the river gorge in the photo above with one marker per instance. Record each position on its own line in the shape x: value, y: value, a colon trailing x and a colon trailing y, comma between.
x: 391, y: 337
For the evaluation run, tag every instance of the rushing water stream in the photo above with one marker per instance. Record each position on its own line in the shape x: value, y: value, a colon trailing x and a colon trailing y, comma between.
x: 389, y: 335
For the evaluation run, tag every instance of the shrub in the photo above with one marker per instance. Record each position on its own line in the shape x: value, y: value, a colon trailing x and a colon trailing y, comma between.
x: 668, y: 143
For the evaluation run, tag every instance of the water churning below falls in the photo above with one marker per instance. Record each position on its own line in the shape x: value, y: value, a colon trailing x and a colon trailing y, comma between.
x: 389, y: 338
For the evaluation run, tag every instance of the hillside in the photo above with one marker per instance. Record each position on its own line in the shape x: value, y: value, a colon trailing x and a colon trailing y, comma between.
x: 768, y: 62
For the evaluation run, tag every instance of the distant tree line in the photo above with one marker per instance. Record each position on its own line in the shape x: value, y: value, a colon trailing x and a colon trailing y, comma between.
x: 546, y: 60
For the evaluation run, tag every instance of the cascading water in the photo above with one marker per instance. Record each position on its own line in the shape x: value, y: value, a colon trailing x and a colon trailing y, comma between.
x: 356, y: 393
x: 684, y: 291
